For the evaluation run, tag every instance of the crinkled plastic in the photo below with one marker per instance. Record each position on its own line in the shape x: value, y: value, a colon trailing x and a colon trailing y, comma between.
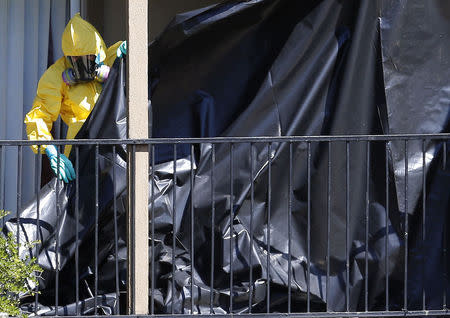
x: 263, y: 68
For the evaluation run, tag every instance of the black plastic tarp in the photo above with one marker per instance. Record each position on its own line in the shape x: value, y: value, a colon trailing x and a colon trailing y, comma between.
x: 269, y: 68
x: 416, y: 57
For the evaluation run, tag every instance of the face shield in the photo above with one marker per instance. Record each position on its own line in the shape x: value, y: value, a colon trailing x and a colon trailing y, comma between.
x: 83, y: 67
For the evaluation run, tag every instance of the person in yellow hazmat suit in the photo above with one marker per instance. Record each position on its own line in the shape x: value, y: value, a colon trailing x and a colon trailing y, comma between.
x: 70, y: 88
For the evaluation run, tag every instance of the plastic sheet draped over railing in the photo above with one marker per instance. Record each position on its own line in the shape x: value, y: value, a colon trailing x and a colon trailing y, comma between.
x: 323, y: 225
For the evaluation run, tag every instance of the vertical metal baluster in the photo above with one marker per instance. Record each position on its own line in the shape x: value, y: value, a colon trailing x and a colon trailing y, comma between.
x: 37, y: 185
x: 213, y: 216
x: 96, y: 233
x: 58, y: 162
x: 2, y: 185
x: 152, y: 297
x: 347, y: 225
x: 328, y: 223
x: 252, y: 202
x: 19, y: 189
x: 386, y: 242
x: 174, y: 220
x: 308, y: 279
x: 444, y: 247
x: 366, y: 270
x: 444, y: 157
x: 290, y: 230
x: 231, y: 226
x: 192, y: 229
x: 19, y: 192
x: 116, y: 235
x: 423, y: 223
x: 405, y: 286
x: 77, y: 229
x: 269, y: 203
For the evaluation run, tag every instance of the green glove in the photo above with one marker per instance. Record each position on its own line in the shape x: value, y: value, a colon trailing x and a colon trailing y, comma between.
x: 65, y: 170
x: 122, y: 50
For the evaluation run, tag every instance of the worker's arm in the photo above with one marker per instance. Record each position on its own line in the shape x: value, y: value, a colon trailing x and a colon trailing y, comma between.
x: 46, y: 105
x: 111, y: 53
x: 45, y: 110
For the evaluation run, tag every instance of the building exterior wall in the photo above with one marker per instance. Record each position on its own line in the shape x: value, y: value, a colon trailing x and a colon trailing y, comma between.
x: 161, y: 12
x: 108, y: 16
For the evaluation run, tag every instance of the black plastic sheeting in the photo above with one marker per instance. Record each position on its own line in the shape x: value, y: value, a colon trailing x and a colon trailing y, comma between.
x: 416, y: 59
x: 268, y: 68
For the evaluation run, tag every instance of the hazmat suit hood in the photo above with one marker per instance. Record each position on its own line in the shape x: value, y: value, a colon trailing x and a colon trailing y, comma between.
x: 81, y: 38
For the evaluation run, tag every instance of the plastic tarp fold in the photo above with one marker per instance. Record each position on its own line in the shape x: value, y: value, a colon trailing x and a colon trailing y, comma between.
x: 266, y: 68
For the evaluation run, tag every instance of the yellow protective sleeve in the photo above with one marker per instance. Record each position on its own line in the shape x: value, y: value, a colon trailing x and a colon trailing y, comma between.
x: 46, y: 105
x: 111, y: 53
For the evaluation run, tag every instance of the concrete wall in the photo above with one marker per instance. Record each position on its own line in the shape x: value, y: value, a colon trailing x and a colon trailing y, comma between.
x: 108, y: 16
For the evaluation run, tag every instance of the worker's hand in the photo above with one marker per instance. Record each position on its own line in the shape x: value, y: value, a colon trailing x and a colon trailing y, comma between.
x: 64, y: 170
x: 122, y: 50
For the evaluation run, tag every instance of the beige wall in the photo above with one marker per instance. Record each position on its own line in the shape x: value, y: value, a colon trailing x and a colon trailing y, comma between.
x: 108, y: 16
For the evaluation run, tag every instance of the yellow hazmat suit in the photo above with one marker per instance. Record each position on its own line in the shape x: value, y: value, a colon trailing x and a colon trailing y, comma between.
x: 54, y: 97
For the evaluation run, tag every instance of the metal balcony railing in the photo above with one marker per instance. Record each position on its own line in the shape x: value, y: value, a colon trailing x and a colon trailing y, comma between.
x: 217, y: 211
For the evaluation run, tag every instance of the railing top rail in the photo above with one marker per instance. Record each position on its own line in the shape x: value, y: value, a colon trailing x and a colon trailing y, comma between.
x: 323, y: 314
x: 261, y: 139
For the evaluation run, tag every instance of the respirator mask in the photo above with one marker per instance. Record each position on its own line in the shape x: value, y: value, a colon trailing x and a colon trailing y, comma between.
x: 85, y: 69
